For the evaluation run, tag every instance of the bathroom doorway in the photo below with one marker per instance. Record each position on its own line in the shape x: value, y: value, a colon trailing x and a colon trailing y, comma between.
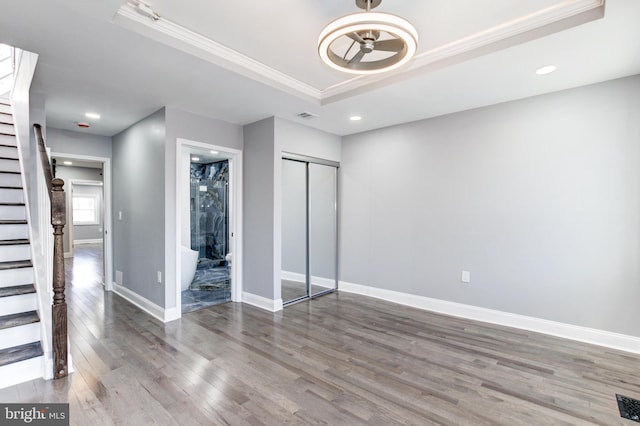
x: 309, y: 228
x: 207, y: 268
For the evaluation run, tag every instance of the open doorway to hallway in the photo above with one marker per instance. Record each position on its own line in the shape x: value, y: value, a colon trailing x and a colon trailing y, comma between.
x: 86, y: 233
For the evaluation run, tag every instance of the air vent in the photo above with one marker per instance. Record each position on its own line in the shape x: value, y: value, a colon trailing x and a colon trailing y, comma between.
x: 306, y: 115
x: 629, y: 408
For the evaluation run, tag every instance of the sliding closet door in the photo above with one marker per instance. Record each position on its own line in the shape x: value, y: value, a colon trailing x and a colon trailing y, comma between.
x: 294, y: 230
x: 309, y: 228
x: 322, y: 228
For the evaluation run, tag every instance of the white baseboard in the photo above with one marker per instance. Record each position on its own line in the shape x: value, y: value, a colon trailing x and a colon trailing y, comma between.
x: 262, y: 302
x: 568, y: 331
x: 68, y: 254
x: 158, y: 312
x: 89, y: 241
x: 301, y: 278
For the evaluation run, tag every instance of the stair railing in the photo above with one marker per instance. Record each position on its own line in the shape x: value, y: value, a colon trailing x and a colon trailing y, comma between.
x: 58, y: 219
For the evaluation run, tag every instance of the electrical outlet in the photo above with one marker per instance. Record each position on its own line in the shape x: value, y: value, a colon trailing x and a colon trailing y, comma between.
x: 119, y: 277
x: 119, y: 215
x: 466, y: 277
x: 159, y: 277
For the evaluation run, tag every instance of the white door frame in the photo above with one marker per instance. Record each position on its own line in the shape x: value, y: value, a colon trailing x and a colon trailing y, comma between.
x: 235, y: 214
x: 80, y: 182
x: 107, y: 230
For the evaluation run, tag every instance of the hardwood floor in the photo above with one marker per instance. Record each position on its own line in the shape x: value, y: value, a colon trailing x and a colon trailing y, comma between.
x: 340, y: 359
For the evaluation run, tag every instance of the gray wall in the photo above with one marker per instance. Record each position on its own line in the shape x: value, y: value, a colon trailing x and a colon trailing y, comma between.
x: 539, y: 199
x: 298, y: 139
x: 261, y: 214
x: 78, y: 143
x: 80, y: 232
x: 138, y: 192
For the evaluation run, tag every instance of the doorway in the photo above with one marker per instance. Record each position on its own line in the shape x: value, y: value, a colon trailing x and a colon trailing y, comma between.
x: 309, y: 228
x: 208, y: 262
x: 88, y: 188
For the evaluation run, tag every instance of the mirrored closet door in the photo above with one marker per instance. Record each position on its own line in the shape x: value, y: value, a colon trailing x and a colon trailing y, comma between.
x: 309, y: 228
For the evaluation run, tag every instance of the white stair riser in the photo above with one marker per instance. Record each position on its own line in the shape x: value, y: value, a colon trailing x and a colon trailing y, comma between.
x: 10, y: 179
x: 8, y: 140
x: 20, y: 372
x: 16, y: 336
x: 7, y: 129
x: 9, y: 165
x: 18, y: 276
x: 8, y: 152
x: 14, y: 232
x: 6, y: 118
x: 15, y: 252
x: 13, y: 213
x: 11, y: 196
x: 17, y: 304
x: 6, y: 109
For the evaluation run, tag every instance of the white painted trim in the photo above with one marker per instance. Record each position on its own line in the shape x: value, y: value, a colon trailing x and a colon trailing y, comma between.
x: 302, y: 278
x: 68, y: 255
x: 262, y: 302
x: 235, y: 216
x: 563, y: 15
x: 568, y: 331
x: 143, y: 303
x: 22, y: 371
x: 88, y: 241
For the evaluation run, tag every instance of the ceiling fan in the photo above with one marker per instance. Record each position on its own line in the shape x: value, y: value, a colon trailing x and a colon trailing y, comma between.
x: 367, y: 42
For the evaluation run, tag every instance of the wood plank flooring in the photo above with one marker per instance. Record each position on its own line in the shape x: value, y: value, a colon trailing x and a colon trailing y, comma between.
x: 339, y: 360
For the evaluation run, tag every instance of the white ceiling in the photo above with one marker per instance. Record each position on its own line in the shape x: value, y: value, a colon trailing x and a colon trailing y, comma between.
x: 244, y: 61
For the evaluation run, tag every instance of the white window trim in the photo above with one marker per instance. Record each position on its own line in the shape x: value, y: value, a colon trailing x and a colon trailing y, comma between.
x: 96, y: 220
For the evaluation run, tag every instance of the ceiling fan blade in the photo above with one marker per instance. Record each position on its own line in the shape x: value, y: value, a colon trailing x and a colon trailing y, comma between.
x: 357, y: 58
x: 391, y: 45
x: 355, y: 37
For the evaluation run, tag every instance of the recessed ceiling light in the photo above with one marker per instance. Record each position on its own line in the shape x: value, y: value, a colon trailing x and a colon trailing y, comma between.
x: 214, y: 152
x: 195, y: 158
x: 68, y: 163
x: 547, y: 69
x: 355, y: 118
x: 92, y: 115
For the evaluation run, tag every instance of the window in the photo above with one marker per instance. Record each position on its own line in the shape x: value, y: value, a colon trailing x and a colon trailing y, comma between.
x: 85, y: 209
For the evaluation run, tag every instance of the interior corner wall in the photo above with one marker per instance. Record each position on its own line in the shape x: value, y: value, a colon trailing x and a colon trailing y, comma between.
x: 138, y: 192
x: 79, y: 143
x: 298, y: 139
x: 539, y: 199
x: 261, y: 188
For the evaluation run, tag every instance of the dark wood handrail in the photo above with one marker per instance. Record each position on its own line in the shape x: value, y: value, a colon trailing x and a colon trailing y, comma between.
x: 58, y: 220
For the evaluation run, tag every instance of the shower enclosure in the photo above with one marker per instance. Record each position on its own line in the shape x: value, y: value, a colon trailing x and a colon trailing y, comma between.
x: 209, y: 212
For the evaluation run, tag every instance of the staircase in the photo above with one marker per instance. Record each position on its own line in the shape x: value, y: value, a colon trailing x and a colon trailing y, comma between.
x: 21, y: 355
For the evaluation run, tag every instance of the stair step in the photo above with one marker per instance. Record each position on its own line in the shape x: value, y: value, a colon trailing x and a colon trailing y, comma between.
x: 9, y: 165
x: 16, y: 320
x: 5, y: 109
x: 8, y: 140
x: 11, y: 195
x: 18, y: 303
x: 10, y: 179
x: 7, y: 129
x: 16, y: 291
x: 6, y: 118
x: 20, y: 353
x: 14, y: 250
x: 19, y: 329
x: 20, y: 275
x: 14, y: 229
x: 13, y: 211
x: 16, y: 265
x: 8, y: 151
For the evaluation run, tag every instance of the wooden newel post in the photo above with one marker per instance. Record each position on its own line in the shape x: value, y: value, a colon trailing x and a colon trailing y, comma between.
x: 59, y: 309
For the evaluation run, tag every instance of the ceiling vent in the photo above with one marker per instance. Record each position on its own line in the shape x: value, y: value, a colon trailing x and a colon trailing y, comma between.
x: 307, y: 115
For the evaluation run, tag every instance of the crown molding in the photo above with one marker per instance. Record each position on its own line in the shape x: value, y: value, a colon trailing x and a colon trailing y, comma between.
x: 202, y: 47
x: 563, y: 15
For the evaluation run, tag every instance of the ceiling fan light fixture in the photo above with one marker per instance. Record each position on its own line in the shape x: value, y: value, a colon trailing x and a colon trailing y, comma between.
x: 364, y: 28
